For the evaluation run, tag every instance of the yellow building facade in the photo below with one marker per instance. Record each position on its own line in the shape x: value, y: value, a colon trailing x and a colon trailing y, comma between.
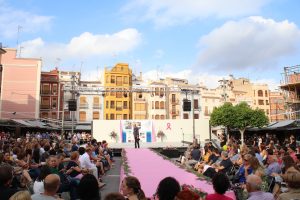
x: 118, y: 96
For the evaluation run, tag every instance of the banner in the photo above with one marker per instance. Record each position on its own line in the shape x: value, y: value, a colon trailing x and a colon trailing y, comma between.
x: 145, y: 130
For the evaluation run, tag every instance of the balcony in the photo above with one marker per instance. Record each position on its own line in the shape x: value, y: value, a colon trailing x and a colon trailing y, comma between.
x: 175, y: 101
x: 140, y: 99
x: 83, y: 106
x: 119, y: 108
x: 96, y: 106
x: 45, y: 107
x: 175, y: 112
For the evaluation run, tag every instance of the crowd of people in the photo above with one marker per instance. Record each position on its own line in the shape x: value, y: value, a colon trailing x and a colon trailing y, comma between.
x: 263, y: 164
x: 48, y: 166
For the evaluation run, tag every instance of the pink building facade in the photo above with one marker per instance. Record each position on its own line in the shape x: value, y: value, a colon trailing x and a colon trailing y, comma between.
x: 20, y: 86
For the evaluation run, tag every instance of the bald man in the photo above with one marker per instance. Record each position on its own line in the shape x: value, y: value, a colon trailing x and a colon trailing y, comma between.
x: 253, y: 185
x: 51, y: 185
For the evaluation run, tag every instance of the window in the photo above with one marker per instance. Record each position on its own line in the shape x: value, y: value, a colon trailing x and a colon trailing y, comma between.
x: 95, y: 115
x: 107, y: 104
x: 173, y: 98
x: 125, y: 80
x: 112, y: 79
x: 266, y: 93
x: 96, y: 101
x: 119, y: 94
x: 44, y: 115
x: 112, y: 92
x: 119, y: 105
x: 162, y: 117
x: 82, y: 100
x: 260, y: 102
x: 112, y: 104
x: 125, y: 104
x: 54, y: 89
x: 162, y: 105
x: 156, y: 116
x: 185, y: 116
x: 153, y: 105
x: 119, y: 80
x: 196, y: 116
x: 82, y: 116
x: 45, y: 89
x: 125, y: 116
x: 112, y: 116
x: 156, y: 105
x: 53, y: 115
x: 260, y: 93
x: 106, y: 116
x: 54, y: 103
x: 267, y: 111
x: 156, y: 91
x: 140, y: 95
x: 45, y: 103
x: 196, y: 106
x: 267, y: 102
x: 161, y: 94
x: 206, y: 111
x: 119, y: 116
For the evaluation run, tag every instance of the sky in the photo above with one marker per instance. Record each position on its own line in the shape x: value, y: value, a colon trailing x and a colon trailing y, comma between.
x: 199, y: 40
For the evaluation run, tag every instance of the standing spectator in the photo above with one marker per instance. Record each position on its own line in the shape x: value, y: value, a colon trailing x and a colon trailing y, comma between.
x: 221, y: 184
x: 253, y: 186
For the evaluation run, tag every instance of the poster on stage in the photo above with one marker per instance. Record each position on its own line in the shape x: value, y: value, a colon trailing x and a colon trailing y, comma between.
x: 145, y: 130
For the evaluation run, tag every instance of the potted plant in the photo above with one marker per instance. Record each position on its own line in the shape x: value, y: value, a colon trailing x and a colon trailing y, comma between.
x: 161, y: 134
x: 113, y: 135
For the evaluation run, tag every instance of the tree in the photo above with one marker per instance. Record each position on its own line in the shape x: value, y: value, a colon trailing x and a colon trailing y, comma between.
x: 240, y: 116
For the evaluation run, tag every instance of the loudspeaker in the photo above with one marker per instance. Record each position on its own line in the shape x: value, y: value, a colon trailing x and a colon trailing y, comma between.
x: 72, y: 105
x: 186, y: 105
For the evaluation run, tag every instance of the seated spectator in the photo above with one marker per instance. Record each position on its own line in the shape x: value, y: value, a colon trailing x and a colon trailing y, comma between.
x: 258, y: 169
x: 167, y: 188
x: 253, y: 186
x: 38, y: 186
x: 51, y: 185
x: 6, y: 177
x: 73, y: 168
x: 293, y: 181
x: 131, y: 188
x: 88, y: 188
x: 224, y: 166
x: 187, y: 195
x: 273, y: 165
x: 114, y: 196
x: 221, y: 184
x: 21, y: 195
x: 244, y: 170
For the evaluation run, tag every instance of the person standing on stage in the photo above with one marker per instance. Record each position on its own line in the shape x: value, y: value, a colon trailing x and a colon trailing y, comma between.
x: 136, y: 135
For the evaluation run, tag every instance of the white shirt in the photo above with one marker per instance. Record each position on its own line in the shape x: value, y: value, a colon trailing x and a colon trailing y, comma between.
x: 85, y: 161
x: 38, y: 187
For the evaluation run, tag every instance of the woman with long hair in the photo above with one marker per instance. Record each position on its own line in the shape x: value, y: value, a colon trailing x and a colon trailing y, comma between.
x: 258, y: 169
x: 131, y: 188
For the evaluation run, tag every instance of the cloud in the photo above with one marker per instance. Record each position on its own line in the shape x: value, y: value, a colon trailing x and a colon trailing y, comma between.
x: 173, y: 12
x: 252, y: 42
x: 84, y: 46
x: 11, y: 19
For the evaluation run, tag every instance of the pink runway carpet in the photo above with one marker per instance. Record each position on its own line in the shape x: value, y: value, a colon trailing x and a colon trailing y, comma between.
x: 150, y: 168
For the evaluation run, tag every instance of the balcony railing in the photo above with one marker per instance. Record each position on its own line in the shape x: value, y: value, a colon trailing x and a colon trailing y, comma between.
x: 96, y: 106
x: 45, y: 106
x: 175, y: 112
x: 119, y: 108
x: 175, y: 101
x: 83, y: 105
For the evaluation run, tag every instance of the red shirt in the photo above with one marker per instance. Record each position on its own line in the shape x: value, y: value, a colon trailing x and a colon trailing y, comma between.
x: 217, y: 197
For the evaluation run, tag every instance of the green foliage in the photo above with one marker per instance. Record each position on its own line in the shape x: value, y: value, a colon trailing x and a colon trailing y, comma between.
x: 240, y: 116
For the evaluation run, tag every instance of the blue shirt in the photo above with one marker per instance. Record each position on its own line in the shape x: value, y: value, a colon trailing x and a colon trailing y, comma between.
x: 273, y: 168
x: 242, y: 178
